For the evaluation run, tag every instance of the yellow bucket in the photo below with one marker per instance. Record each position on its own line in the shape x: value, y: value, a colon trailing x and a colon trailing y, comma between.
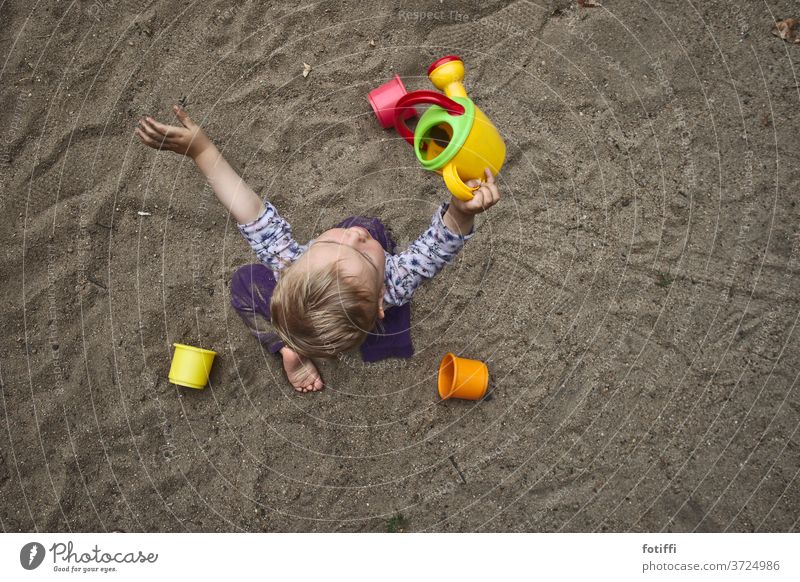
x: 191, y: 366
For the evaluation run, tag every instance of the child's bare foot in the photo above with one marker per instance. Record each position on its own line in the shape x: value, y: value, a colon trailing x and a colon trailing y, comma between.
x: 302, y: 372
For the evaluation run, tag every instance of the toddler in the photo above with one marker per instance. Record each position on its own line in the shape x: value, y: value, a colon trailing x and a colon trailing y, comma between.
x: 329, y: 295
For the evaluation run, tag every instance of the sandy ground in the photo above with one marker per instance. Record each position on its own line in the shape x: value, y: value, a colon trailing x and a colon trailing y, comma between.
x: 635, y: 292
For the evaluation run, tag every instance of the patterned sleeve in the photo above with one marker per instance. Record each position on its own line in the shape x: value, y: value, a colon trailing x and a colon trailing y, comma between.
x: 270, y: 236
x: 426, y: 256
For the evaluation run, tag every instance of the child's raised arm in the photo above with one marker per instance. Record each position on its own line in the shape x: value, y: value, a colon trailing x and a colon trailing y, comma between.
x: 439, y: 244
x: 190, y: 140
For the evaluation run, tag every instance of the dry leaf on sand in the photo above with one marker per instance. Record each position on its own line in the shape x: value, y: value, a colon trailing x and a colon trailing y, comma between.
x: 306, y: 69
x: 787, y: 30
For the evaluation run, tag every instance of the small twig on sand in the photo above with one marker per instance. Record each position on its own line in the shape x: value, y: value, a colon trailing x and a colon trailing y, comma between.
x: 96, y: 283
x: 455, y: 466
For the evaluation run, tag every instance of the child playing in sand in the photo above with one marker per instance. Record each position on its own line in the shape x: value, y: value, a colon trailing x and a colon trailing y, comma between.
x: 327, y: 296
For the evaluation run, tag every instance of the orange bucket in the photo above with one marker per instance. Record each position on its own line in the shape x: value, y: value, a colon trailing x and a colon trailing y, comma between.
x: 462, y: 378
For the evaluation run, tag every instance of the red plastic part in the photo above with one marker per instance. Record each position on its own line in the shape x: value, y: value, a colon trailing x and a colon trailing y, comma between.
x: 384, y: 98
x: 443, y: 60
x: 420, y: 98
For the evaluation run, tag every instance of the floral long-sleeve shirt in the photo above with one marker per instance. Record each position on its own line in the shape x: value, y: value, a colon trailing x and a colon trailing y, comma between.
x: 270, y: 236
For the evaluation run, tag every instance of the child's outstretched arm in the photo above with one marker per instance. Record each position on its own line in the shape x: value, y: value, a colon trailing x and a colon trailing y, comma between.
x: 439, y: 244
x: 190, y: 140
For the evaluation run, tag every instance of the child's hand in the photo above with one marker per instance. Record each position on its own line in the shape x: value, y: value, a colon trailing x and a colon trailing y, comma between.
x: 484, y: 197
x: 189, y: 140
x: 460, y: 216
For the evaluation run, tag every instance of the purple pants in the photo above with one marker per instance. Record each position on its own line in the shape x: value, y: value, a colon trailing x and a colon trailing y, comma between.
x: 252, y: 287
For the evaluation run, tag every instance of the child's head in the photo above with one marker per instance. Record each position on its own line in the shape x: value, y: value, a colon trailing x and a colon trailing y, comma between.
x: 328, y: 300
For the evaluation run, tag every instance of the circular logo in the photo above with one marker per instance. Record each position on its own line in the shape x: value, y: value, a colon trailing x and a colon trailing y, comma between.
x: 31, y: 555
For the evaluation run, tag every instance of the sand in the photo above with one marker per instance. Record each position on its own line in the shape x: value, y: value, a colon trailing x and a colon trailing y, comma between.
x: 635, y: 291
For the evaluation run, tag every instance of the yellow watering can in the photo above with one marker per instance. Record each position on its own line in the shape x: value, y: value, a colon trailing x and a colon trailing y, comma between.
x: 453, y: 137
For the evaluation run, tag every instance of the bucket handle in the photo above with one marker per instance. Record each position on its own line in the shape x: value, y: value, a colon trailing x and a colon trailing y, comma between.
x: 421, y: 98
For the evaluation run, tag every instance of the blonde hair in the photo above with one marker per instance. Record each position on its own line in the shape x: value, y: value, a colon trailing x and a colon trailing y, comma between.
x: 321, y: 312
